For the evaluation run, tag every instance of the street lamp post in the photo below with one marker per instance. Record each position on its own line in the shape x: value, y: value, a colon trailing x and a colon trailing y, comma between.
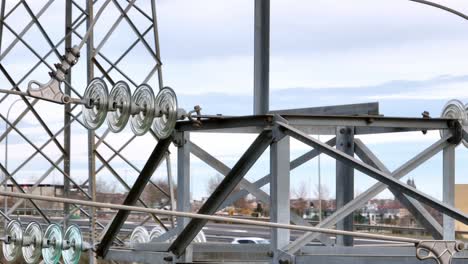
x: 6, y: 156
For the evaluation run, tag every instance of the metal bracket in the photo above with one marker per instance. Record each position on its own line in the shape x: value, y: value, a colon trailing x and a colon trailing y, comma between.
x: 457, y: 132
x: 441, y: 251
x: 282, y: 257
x: 178, y: 139
x: 277, y: 133
x: 51, y: 91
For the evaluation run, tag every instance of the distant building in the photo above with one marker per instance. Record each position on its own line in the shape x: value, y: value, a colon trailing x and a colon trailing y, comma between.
x: 461, y: 202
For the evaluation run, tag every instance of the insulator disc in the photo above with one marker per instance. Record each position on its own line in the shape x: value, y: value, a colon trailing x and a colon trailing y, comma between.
x: 98, y: 95
x: 12, y: 250
x: 51, y: 254
x: 465, y: 127
x: 166, y: 101
x: 139, y: 235
x: 32, y: 252
x: 74, y: 237
x: 156, y: 232
x: 120, y: 96
x: 144, y: 99
x: 456, y: 110
x: 200, y: 238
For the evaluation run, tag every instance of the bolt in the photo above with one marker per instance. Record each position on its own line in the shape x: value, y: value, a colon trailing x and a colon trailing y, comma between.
x: 342, y: 130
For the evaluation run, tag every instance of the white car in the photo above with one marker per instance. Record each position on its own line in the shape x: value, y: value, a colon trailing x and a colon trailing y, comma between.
x: 250, y: 240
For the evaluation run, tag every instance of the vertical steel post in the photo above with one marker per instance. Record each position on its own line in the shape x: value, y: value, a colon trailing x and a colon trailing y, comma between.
x: 279, y: 193
x: 262, y: 57
x: 449, y: 190
x: 156, y: 43
x: 66, y: 119
x: 91, y: 142
x: 2, y: 16
x: 170, y: 183
x: 183, y: 186
x: 344, y: 182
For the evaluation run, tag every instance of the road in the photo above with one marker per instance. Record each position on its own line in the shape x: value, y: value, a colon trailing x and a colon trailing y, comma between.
x: 214, y: 232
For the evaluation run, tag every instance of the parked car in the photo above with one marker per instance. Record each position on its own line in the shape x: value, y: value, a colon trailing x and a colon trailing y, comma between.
x: 250, y: 240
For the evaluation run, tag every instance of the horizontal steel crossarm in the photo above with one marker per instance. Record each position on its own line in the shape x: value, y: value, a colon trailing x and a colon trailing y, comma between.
x: 208, y: 217
x: 374, y: 190
x: 266, y: 179
x: 246, y: 185
x: 126, y: 186
x: 363, y: 124
x: 222, y: 191
x: 150, y: 167
x: 415, y: 208
x: 385, y: 178
x: 260, y: 121
x: 368, y: 121
x: 349, y: 109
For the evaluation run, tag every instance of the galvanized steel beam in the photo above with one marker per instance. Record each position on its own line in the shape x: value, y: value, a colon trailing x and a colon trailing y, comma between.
x: 374, y: 173
x: 414, y: 207
x: 114, y: 226
x: 228, y: 184
x: 374, y: 190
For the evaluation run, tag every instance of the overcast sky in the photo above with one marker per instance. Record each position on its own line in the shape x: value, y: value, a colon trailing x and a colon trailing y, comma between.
x: 407, y: 56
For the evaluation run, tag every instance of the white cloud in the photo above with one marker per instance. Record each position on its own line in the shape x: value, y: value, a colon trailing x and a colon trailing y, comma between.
x: 435, y: 92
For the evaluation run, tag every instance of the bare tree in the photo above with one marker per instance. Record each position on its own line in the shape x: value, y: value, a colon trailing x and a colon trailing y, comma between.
x: 321, y: 192
x: 103, y: 186
x: 300, y: 192
x: 241, y: 203
x: 300, y: 203
x: 154, y: 196
x: 213, y: 183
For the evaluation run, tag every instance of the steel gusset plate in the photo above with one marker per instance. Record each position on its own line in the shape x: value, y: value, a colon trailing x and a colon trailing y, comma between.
x: 96, y: 97
x: 52, y: 249
x: 74, y: 237
x: 120, y: 99
x: 33, y: 250
x: 143, y: 98
x: 166, y: 103
x: 12, y: 250
x: 456, y: 110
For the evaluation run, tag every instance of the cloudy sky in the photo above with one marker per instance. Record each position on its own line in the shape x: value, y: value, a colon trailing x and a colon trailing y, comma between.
x: 408, y: 57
